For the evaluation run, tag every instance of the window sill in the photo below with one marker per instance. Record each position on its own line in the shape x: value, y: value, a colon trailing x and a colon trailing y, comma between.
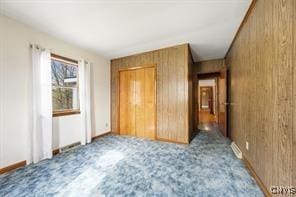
x: 65, y: 113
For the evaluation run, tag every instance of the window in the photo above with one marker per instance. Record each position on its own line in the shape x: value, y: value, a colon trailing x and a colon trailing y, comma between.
x: 65, y: 87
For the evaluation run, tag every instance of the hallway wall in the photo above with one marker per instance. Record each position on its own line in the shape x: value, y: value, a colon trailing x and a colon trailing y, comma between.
x: 263, y: 79
x: 209, y: 66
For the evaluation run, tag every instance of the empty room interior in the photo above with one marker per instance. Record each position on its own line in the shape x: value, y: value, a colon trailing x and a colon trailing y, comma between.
x: 147, y: 98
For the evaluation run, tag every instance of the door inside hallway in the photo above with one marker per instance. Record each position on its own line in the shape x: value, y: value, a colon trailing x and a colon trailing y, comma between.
x: 207, y: 101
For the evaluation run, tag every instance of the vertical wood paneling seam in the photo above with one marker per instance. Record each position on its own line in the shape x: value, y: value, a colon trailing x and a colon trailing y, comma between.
x: 293, y: 13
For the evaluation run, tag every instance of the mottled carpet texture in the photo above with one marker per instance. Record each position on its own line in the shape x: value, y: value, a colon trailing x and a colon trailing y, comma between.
x: 128, y: 166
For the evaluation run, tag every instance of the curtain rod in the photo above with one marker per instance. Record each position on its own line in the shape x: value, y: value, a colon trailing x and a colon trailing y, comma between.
x: 38, y: 47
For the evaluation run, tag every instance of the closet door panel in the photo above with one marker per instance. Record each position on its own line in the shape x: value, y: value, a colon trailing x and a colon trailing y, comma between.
x: 132, y: 104
x: 137, y: 102
x: 149, y: 103
x: 140, y: 99
x: 123, y: 103
x: 127, y: 103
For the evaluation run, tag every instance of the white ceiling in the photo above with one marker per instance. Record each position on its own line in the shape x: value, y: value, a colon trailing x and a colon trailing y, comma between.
x: 116, y: 28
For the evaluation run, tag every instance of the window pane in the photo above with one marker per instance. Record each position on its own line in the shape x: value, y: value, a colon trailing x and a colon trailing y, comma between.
x: 63, y: 74
x: 65, y: 99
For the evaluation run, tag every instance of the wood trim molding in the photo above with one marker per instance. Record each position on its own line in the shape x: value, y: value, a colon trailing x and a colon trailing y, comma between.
x: 64, y: 58
x: 256, y: 177
x: 252, y: 5
x: 56, y: 151
x: 13, y: 167
x: 65, y: 113
x: 138, y: 67
x: 100, y: 135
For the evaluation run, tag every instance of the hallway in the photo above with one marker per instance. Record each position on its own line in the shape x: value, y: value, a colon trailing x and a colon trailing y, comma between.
x: 209, y: 127
x: 206, y: 117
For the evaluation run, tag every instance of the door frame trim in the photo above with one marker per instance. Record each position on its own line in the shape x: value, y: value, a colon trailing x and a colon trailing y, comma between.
x: 155, y: 93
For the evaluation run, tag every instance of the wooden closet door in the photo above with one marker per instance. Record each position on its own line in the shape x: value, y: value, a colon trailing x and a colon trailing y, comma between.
x: 149, y: 103
x: 127, y: 103
x: 140, y: 102
x: 145, y: 102
x: 137, y: 102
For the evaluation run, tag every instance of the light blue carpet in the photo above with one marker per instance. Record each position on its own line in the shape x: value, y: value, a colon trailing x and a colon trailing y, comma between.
x: 128, y: 166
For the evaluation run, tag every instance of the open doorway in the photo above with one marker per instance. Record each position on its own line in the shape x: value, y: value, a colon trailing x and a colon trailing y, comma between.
x: 211, y: 97
x: 207, y: 101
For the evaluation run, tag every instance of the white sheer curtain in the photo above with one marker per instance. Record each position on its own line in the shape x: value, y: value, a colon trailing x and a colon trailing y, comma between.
x: 42, y: 105
x: 85, y: 100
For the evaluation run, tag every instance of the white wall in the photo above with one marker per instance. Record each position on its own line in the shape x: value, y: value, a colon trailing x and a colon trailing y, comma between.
x: 16, y: 91
x: 66, y: 130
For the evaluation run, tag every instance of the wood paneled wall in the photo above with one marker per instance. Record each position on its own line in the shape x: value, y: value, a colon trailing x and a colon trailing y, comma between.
x: 209, y: 66
x: 263, y: 90
x: 294, y: 96
x: 173, y: 84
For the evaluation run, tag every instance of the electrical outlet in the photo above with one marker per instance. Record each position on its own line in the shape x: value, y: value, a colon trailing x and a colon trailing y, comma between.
x: 247, y: 145
x: 106, y: 125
